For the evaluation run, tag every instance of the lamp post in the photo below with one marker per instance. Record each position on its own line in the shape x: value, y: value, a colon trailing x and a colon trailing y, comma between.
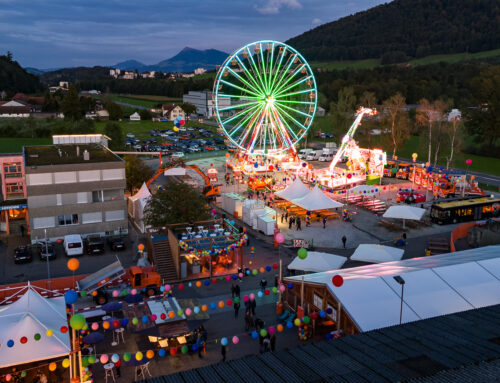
x: 414, y: 157
x: 47, y: 258
x: 401, y: 281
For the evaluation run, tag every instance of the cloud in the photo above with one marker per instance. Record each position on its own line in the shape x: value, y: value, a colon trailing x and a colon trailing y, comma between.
x: 316, y: 21
x: 272, y: 7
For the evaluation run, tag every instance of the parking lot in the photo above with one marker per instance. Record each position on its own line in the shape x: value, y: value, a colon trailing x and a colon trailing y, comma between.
x: 37, y: 269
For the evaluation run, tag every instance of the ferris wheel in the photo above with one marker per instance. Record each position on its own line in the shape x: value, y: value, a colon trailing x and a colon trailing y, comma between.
x: 265, y: 98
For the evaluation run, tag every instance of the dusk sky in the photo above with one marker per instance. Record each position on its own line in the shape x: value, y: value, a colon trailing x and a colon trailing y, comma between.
x: 66, y: 33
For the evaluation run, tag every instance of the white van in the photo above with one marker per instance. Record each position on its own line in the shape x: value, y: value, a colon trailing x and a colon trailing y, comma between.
x: 73, y: 245
x: 314, y: 156
x: 326, y: 157
x: 304, y: 152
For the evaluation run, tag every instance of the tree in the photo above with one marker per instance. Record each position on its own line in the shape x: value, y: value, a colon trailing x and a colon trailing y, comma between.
x: 114, y: 110
x: 188, y: 108
x: 345, y: 107
x: 88, y: 104
x: 114, y: 131
x: 178, y: 203
x: 50, y: 103
x: 454, y: 128
x: 368, y: 99
x: 439, y: 108
x: 137, y: 172
x: 145, y: 114
x: 425, y: 117
x: 397, y: 121
x: 71, y: 105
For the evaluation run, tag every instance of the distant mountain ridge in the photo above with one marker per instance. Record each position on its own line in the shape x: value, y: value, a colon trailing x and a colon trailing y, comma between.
x: 404, y: 29
x: 187, y: 60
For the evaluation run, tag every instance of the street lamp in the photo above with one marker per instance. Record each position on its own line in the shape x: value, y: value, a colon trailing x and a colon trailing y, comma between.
x: 401, y: 281
x: 47, y: 258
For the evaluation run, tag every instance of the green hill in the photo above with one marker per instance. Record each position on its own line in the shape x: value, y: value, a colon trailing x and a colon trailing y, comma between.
x: 13, y: 78
x: 405, y: 29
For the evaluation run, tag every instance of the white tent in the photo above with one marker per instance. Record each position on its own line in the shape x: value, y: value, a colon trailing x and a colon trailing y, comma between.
x: 317, y: 262
x: 376, y: 253
x: 296, y: 190
x: 137, y: 204
x: 434, y: 286
x: 316, y: 200
x: 135, y: 117
x: 404, y: 212
x: 29, y: 315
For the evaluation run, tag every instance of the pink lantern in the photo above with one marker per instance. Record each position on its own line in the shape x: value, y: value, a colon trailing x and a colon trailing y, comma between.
x: 153, y: 317
x: 228, y: 278
x: 282, y: 288
x: 252, y: 296
x: 104, y: 358
x: 240, y: 275
x: 115, y: 293
x: 168, y: 288
x: 95, y: 326
x: 235, y: 339
x: 280, y: 238
x: 272, y: 330
x: 245, y: 298
x: 133, y: 291
x: 188, y: 311
x: 468, y: 161
x: 182, y: 122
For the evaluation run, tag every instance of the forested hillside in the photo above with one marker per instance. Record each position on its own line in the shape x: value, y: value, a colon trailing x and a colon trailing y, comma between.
x: 404, y: 29
x: 15, y: 79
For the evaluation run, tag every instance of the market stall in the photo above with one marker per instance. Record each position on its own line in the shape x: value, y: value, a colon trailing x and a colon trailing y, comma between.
x: 266, y: 224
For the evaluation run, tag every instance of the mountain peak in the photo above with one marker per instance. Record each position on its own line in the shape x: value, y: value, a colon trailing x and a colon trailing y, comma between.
x: 187, y: 49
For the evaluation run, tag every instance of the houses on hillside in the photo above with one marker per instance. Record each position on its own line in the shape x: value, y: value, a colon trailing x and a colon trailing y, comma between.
x: 172, y: 111
x: 21, y: 106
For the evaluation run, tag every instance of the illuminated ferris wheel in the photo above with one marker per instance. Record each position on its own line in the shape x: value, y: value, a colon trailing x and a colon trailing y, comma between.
x: 265, y: 98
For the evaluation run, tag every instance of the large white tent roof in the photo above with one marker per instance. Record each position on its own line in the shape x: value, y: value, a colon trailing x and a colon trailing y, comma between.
x: 317, y: 262
x: 376, y: 253
x: 296, y: 190
x: 404, y: 212
x: 316, y: 200
x: 29, y: 315
x: 438, y: 285
x: 142, y: 195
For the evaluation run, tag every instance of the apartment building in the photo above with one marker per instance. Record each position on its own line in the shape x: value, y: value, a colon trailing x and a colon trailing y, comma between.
x: 13, y: 193
x: 75, y: 189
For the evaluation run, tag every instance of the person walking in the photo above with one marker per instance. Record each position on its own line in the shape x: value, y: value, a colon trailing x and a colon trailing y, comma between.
x: 263, y: 284
x: 324, y: 222
x: 22, y: 230
x: 266, y: 343
x: 237, y: 290
x: 299, y: 224
x: 344, y: 240
x: 236, y: 309
x: 286, y: 215
x: 223, y: 352
x: 273, y: 342
x: 282, y: 217
x: 253, y: 305
x: 290, y: 223
x: 233, y: 290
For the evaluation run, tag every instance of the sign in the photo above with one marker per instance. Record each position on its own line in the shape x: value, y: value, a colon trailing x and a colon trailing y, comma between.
x: 23, y: 206
x: 300, y: 243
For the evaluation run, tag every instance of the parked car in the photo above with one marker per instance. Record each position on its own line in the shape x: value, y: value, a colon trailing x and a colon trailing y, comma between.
x: 73, y: 245
x: 94, y: 244
x: 130, y: 135
x: 116, y: 243
x: 22, y: 254
x: 46, y: 250
x: 178, y: 154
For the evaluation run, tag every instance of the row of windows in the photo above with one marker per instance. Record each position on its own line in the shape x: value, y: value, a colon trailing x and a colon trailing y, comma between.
x: 73, y: 177
x: 77, y: 219
x: 13, y: 170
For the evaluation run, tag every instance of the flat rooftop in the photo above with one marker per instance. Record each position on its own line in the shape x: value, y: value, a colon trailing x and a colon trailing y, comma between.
x: 67, y: 154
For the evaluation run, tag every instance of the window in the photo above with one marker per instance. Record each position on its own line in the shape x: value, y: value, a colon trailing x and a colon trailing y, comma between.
x: 67, y: 219
x: 13, y: 170
x: 318, y: 301
x: 43, y: 222
x: 97, y: 196
x: 95, y: 217
x: 15, y: 189
x: 59, y: 199
x: 115, y: 215
x: 113, y: 174
x: 89, y: 175
x: 81, y: 197
x: 39, y: 179
x: 112, y: 195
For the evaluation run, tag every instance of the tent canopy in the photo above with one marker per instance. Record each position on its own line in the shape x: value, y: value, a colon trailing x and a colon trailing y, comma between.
x: 142, y: 196
x: 376, y: 253
x: 296, y: 190
x: 29, y: 315
x: 316, y: 200
x: 317, y: 262
x: 364, y: 189
x: 434, y: 286
x: 404, y: 212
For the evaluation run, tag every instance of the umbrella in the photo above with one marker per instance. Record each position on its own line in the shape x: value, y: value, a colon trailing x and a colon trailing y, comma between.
x: 93, y: 338
x: 112, y: 306
x: 404, y: 212
x: 377, y: 253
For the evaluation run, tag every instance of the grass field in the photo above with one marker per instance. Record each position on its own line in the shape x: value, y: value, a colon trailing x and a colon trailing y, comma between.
x: 147, y: 101
x: 15, y: 145
x: 372, y: 63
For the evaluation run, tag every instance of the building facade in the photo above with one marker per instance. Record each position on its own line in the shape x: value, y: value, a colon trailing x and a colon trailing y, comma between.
x: 75, y: 189
x: 203, y: 101
x: 13, y: 187
x: 172, y: 111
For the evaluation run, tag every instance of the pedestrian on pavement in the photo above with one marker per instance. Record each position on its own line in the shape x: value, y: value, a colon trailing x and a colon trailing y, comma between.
x: 253, y: 305
x: 117, y: 366
x: 286, y: 215
x: 199, y: 342
x: 273, y: 342
x: 299, y: 224
x: 236, y: 309
x: 22, y: 230
x: 263, y: 284
x: 233, y: 290
x: 290, y: 223
x: 237, y: 290
x: 266, y: 343
x: 344, y: 240
x: 223, y: 352
x: 282, y: 217
x: 324, y: 222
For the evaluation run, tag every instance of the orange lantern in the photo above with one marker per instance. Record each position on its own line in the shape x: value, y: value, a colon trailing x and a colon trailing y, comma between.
x: 227, y: 155
x: 310, y: 166
x: 73, y: 264
x: 52, y: 366
x: 198, y: 284
x: 105, y: 325
x: 140, y: 247
x: 171, y: 314
x: 221, y: 304
x: 204, y: 308
x: 150, y: 354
